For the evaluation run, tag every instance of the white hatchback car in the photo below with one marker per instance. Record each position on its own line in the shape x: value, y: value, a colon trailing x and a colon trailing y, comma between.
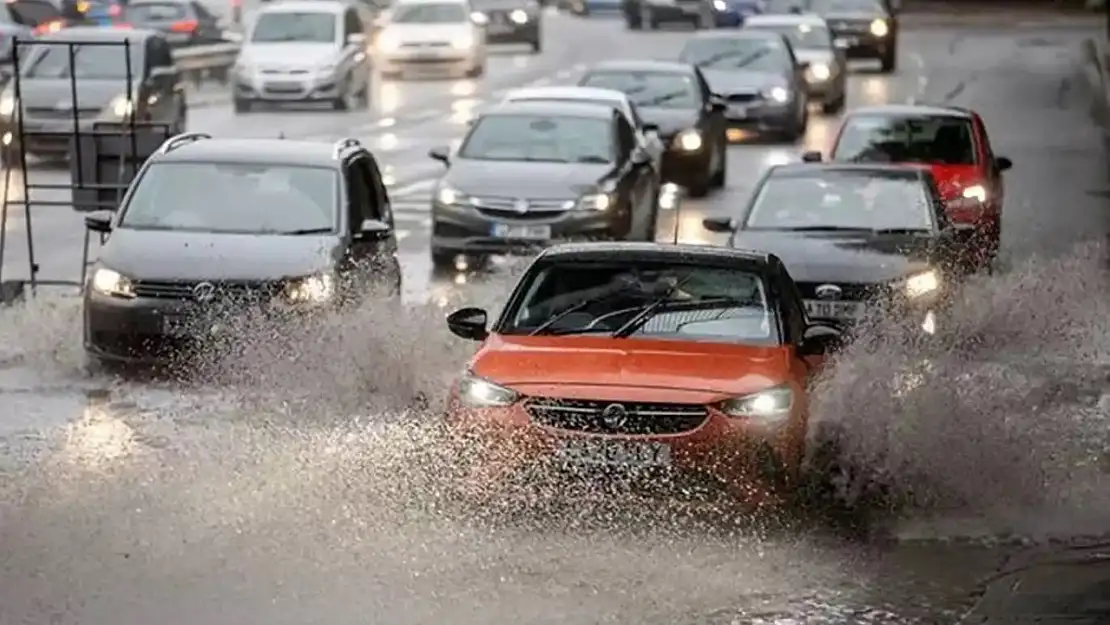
x: 430, y: 37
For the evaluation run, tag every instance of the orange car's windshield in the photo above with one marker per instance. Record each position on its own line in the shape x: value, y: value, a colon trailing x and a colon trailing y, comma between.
x: 690, y: 302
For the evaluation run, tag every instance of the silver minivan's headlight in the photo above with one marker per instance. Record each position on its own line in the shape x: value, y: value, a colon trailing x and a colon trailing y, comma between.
x: 110, y: 282
x: 314, y: 289
x: 921, y: 284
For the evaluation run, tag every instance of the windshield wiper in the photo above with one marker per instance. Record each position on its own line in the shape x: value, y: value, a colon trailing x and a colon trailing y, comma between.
x: 306, y: 231
x: 660, y: 99
x: 650, y: 308
x: 827, y: 229
x: 597, y: 299
x: 745, y: 59
x: 649, y: 311
x: 900, y: 231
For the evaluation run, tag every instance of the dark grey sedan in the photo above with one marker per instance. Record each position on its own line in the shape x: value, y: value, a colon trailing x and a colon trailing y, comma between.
x: 510, y: 21
x: 758, y: 76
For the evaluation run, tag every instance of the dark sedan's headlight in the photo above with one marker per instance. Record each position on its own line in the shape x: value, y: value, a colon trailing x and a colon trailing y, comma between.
x: 778, y: 95
x: 879, y: 28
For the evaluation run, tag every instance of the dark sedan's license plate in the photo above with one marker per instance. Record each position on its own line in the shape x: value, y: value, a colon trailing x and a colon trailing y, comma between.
x: 631, y: 454
x: 833, y: 310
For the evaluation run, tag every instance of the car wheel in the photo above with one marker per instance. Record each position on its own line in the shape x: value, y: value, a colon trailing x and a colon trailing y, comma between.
x: 834, y: 106
x: 443, y: 261
x: 721, y: 175
x: 242, y: 106
x: 9, y: 155
x: 889, y: 61
x: 477, y: 71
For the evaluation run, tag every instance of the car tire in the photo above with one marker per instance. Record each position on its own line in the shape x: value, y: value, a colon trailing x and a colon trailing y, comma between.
x: 9, y: 156
x: 720, y: 177
x: 834, y: 106
x: 242, y: 106
x: 888, y: 62
x: 477, y: 71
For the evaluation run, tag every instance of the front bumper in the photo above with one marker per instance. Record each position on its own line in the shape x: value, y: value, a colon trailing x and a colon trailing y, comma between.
x: 857, y: 45
x: 469, y: 230
x: 761, y: 115
x: 47, y: 136
x: 743, y: 459
x: 433, y: 61
x: 287, y: 87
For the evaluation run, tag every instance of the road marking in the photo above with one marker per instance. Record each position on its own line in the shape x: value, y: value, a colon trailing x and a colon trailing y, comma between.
x: 922, y: 79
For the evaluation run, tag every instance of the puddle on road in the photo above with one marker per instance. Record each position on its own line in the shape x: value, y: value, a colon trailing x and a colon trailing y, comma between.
x: 300, y: 485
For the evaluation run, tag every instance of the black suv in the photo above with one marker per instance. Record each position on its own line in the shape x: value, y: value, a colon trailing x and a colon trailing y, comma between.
x: 212, y: 227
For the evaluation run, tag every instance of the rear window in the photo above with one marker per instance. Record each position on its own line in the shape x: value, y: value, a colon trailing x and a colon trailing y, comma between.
x: 648, y: 89
x: 941, y: 139
x: 148, y: 12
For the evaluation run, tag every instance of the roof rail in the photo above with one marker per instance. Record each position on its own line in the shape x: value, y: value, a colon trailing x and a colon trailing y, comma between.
x: 177, y: 141
x: 343, y: 144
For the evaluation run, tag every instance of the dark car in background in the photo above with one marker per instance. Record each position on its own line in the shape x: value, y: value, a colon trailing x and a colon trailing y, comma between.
x: 826, y: 66
x: 676, y: 99
x: 758, y: 76
x: 864, y: 29
x: 215, y: 228
x: 639, y: 14
x: 855, y: 236
x: 510, y: 21
x: 528, y: 174
x: 26, y: 19
x: 181, y: 22
x: 153, y: 92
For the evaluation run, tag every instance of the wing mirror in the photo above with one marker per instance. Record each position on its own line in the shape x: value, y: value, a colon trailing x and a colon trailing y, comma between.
x: 99, y: 222
x: 469, y: 323
x: 441, y: 154
x: 811, y: 156
x: 373, y: 230
x: 1003, y: 163
x: 820, y: 340
x: 719, y: 224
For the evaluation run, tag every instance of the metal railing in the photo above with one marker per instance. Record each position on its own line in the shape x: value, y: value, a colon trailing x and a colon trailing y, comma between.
x: 207, y: 62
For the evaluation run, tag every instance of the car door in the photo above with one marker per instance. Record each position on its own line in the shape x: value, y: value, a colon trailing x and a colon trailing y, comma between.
x: 165, y: 91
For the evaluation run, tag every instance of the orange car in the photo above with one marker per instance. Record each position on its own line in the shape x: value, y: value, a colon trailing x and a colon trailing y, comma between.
x: 642, y: 358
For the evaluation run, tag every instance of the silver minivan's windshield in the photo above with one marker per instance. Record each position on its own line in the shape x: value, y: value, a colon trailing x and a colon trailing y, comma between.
x: 234, y: 198
x: 92, y: 62
x: 299, y: 26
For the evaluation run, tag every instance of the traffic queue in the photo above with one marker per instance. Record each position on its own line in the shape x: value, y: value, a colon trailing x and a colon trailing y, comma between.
x: 613, y: 351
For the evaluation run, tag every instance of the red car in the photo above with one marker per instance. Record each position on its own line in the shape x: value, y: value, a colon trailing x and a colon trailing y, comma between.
x: 952, y: 142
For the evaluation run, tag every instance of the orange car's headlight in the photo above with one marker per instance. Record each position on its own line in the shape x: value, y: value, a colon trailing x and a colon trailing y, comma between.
x: 478, y: 392
x: 768, y: 405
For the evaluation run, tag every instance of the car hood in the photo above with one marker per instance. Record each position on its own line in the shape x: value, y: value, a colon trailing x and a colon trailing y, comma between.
x: 527, y: 180
x: 590, y: 362
x: 726, y: 82
x: 287, y: 55
x: 426, y: 33
x: 669, y: 121
x: 953, y: 179
x: 844, y: 257
x: 57, y: 94
x: 153, y: 254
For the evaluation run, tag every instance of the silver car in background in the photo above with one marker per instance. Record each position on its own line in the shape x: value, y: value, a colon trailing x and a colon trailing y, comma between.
x: 647, y: 135
x: 302, y: 51
x: 826, y: 65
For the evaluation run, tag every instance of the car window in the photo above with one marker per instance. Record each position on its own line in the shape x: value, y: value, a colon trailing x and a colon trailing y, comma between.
x: 93, y: 62
x: 300, y: 26
x: 430, y: 13
x: 550, y: 138
x: 925, y: 139
x: 846, y: 6
x: 155, y: 12
x: 649, y: 89
x: 33, y: 13
x: 841, y: 199
x: 754, y: 53
x: 801, y: 36
x: 697, y: 303
x: 234, y: 198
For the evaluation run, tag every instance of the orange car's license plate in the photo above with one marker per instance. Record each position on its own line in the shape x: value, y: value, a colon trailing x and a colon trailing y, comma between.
x: 632, y: 454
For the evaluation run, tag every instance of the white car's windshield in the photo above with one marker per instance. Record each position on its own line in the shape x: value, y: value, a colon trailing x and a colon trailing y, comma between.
x: 562, y: 139
x: 438, y: 13
x: 234, y: 198
x: 842, y: 199
x: 690, y: 303
x: 300, y: 26
x: 801, y: 36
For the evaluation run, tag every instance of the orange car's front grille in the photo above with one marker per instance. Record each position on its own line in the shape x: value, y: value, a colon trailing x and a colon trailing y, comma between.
x: 606, y: 417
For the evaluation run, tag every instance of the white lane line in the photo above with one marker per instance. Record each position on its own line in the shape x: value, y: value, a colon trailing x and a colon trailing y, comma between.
x: 411, y: 189
x: 922, y: 79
